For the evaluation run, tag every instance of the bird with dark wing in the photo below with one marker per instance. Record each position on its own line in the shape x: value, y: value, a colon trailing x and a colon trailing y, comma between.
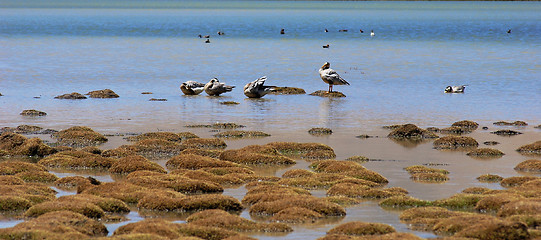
x: 257, y: 89
x: 192, y: 87
x: 215, y: 87
x: 330, y: 76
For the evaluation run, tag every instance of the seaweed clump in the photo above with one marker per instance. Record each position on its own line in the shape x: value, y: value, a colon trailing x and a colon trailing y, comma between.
x: 489, y: 178
x: 485, y: 153
x: 223, y: 219
x: 312, y: 151
x: 350, y: 169
x: 73, y: 95
x: 256, y: 154
x: 515, y: 123
x: 320, y: 131
x: 79, y: 136
x: 506, y: 132
x: 190, y: 203
x: 532, y: 165
x: 425, y: 174
x: 134, y: 163
x: 466, y: 124
x: 76, y: 160
x: 322, y: 93
x: 106, y: 93
x: 455, y: 142
x: 193, y: 162
x: 241, y: 134
x: 287, y: 91
x: 33, y: 113
x: 18, y: 145
x: 533, y: 148
x: 206, y: 143
x: 167, y: 136
x: 362, y: 229
x: 161, y: 228
x: 411, y: 132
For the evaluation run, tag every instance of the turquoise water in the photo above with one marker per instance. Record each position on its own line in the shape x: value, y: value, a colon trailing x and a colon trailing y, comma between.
x: 396, y: 76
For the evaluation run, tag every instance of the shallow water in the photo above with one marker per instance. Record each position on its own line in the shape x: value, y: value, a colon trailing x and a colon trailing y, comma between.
x: 396, y: 77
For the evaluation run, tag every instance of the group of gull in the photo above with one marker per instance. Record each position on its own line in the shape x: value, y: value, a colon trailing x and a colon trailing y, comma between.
x: 256, y: 88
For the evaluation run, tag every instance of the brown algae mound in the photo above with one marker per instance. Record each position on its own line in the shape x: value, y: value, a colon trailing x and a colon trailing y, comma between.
x: 229, y: 103
x: 476, y: 190
x: 353, y: 190
x: 451, y: 130
x: 521, y: 207
x: 515, y: 123
x: 296, y: 215
x: 190, y: 203
x: 18, y: 145
x: 203, y: 152
x: 466, y: 124
x: 361, y: 228
x: 72, y: 182
x: 174, y: 182
x: 304, y: 150
x: 153, y: 148
x: 455, y: 142
x: 77, y: 160
x: 287, y: 91
x: 241, y: 134
x: 321, y: 93
x: 295, y: 178
x: 206, y: 143
x: 411, y: 132
x: 532, y: 165
x: 157, y: 100
x: 12, y: 186
x: 453, y: 225
x: 106, y: 93
x: 320, y: 131
x: 41, y: 177
x: 256, y: 155
x: 134, y: 163
x: 388, y: 236
x: 433, y: 177
x: 348, y: 168
x: 56, y: 225
x: 127, y: 192
x: 85, y: 208
x: 272, y: 192
x: 167, y: 136
x: 496, y: 230
x: 16, y: 167
x: 79, y: 136
x: 517, y: 181
x: 506, y: 132
x: 321, y: 206
x: 193, y: 162
x: 33, y: 113
x: 223, y: 219
x: 485, y: 153
x: 73, y: 95
x: 403, y: 202
x: 489, y: 178
x: 23, y: 129
x: 218, y: 175
x: 424, y: 218
x: 534, y: 148
x: 357, y: 159
x: 171, y: 230
x: 494, y: 202
x: 459, y: 201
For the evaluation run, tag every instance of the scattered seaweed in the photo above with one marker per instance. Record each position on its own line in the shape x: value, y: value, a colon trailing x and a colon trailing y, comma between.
x: 79, y: 136
x: 491, y: 143
x: 455, y: 142
x: 287, y: 91
x: 357, y: 159
x: 320, y: 131
x: 532, y: 165
x: 322, y: 93
x: 106, y: 93
x: 241, y: 134
x: 73, y: 95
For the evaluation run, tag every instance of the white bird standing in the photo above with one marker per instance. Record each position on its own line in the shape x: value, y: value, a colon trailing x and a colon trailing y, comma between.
x: 330, y: 76
x: 215, y: 87
x: 257, y: 89
x: 455, y: 89
x: 192, y: 87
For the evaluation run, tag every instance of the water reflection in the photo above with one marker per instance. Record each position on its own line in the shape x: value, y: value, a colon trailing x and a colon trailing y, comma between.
x: 330, y: 111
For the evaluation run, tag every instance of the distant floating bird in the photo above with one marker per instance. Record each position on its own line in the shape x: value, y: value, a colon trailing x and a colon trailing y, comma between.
x: 192, y: 87
x: 361, y: 31
x: 221, y: 33
x: 257, y: 89
x: 215, y: 87
x: 200, y: 36
x: 326, y: 30
x: 342, y: 30
x: 206, y: 36
x: 455, y: 89
x: 207, y: 41
x: 282, y: 31
x: 372, y: 33
x: 326, y: 46
x: 330, y: 76
x: 509, y: 31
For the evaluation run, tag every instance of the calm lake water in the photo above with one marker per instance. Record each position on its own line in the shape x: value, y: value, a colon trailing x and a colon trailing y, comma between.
x: 397, y: 76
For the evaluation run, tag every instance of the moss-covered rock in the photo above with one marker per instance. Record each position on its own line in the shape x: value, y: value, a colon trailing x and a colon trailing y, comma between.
x: 33, y: 113
x: 73, y: 95
x: 532, y: 165
x: 241, y: 134
x: 490, y: 178
x: 205, y: 143
x: 223, y: 219
x: 533, y: 148
x: 134, y: 163
x: 411, y: 132
x: 485, y: 153
x: 515, y: 123
x: 77, y: 160
x: 287, y: 91
x: 79, y: 136
x: 106, y: 93
x: 362, y: 228
x: 320, y: 131
x: 467, y: 124
x: 506, y: 132
x: 322, y: 93
x: 19, y: 145
x: 455, y: 142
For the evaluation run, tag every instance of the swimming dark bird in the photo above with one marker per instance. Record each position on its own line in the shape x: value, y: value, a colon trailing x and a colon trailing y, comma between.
x: 455, y: 89
x: 215, y: 87
x: 257, y: 89
x: 330, y: 76
x: 326, y: 46
x: 206, y: 36
x: 207, y: 41
x: 509, y: 31
x: 361, y: 31
x: 342, y: 30
x: 282, y: 31
x: 326, y: 30
x: 192, y: 87
x: 221, y: 33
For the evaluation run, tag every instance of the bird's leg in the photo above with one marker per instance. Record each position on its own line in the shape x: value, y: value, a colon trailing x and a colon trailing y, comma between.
x: 330, y: 88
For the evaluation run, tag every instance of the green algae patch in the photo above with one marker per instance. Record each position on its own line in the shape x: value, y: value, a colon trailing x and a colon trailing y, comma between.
x: 320, y: 131
x: 223, y: 219
x: 77, y: 160
x: 403, y: 202
x: 455, y: 142
x: 193, y: 162
x: 18, y: 145
x: 105, y: 93
x: 79, y: 136
x: 532, y: 165
x: 73, y: 95
x: 411, y: 132
x: 533, y: 148
x: 287, y: 91
x: 33, y: 113
x: 205, y: 143
x: 190, y: 203
x: 237, y: 134
x: 56, y: 225
x: 310, y: 151
x: 173, y: 182
x: 485, y: 153
x: 489, y: 178
x: 322, y: 93
x: 134, y: 163
x: 357, y: 228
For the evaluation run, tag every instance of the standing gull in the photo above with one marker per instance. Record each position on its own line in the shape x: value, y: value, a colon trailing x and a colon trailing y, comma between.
x: 215, y: 87
x: 256, y: 89
x: 192, y: 88
x: 330, y: 76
